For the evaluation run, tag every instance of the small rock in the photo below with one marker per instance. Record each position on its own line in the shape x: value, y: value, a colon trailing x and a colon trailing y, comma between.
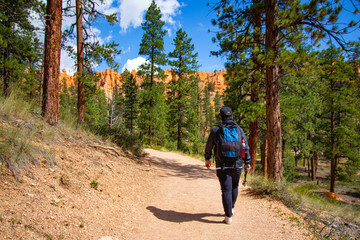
x: 31, y: 195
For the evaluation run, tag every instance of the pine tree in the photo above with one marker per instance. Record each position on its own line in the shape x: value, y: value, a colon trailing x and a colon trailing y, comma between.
x: 341, y: 110
x: 130, y: 101
x: 89, y: 53
x: 288, y: 24
x: 184, y: 64
x: 152, y: 46
x: 301, y: 109
x: 50, y: 101
x: 96, y: 108
x: 207, y: 110
x: 19, y: 47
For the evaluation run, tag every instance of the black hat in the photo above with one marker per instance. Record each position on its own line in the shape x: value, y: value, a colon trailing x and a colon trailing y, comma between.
x: 226, y: 113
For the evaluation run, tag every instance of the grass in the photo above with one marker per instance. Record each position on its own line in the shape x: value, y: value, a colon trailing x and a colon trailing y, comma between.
x: 320, y: 212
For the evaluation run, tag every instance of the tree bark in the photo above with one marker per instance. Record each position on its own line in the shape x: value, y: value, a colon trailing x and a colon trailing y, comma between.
x: 273, y: 120
x: 80, y: 62
x: 50, y: 103
x: 180, y: 119
x: 314, y: 165
x: 264, y: 157
x: 254, y: 125
x: 333, y: 158
x: 253, y: 138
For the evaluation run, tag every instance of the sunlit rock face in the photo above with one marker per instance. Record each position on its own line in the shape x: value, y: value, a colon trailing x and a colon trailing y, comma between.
x: 110, y: 78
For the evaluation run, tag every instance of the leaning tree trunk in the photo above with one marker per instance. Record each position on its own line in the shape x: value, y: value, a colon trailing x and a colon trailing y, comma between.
x: 80, y: 62
x: 50, y: 101
x: 273, y: 120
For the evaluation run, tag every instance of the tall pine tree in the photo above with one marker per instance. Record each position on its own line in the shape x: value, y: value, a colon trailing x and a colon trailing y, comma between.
x: 152, y: 46
x: 183, y: 62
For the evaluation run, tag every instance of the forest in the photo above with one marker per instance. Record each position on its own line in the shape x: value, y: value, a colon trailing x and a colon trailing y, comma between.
x: 296, y: 101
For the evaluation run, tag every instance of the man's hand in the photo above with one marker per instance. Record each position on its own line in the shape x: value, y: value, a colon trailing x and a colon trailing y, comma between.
x: 208, y: 164
x: 247, y: 167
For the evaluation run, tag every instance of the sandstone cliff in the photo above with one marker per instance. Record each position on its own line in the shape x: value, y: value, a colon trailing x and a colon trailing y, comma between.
x: 110, y: 78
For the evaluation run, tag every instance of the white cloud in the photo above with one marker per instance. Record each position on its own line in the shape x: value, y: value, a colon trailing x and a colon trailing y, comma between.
x: 133, y: 64
x: 169, y: 9
x: 124, y: 51
x: 66, y: 62
x: 132, y: 12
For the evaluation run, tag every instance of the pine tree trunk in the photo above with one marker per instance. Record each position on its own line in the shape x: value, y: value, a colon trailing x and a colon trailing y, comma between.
x: 273, y: 120
x: 254, y: 125
x: 151, y: 100
x: 333, y: 158
x: 313, y: 166
x: 50, y: 103
x: 179, y: 125
x: 80, y: 62
x: 6, y: 70
x: 253, y: 138
x: 264, y: 157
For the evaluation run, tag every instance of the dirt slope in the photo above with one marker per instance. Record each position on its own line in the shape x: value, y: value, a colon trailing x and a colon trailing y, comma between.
x: 167, y: 196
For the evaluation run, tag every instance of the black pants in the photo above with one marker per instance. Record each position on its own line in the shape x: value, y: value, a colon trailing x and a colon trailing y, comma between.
x: 229, y: 182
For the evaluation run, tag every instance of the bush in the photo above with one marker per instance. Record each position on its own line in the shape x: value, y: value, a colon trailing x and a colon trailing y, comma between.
x: 121, y: 137
x: 278, y: 191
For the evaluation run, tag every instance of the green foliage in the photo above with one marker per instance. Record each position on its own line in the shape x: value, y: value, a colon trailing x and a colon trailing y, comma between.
x: 130, y: 101
x: 341, y: 111
x: 289, y: 166
x: 278, y: 191
x: 96, y: 112
x: 94, y: 184
x: 94, y: 52
x: 20, y: 49
x: 121, y: 137
x: 182, y: 117
x: 67, y: 104
x: 152, y: 42
x: 153, y: 109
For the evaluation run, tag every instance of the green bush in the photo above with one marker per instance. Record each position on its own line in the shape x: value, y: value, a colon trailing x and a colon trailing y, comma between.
x: 121, y: 137
x: 278, y: 191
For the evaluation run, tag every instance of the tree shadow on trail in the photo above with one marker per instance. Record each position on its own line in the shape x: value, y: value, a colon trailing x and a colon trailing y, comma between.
x: 179, y: 217
x: 173, y: 168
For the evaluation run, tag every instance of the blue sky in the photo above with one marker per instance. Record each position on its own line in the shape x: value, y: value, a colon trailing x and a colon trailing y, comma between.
x: 193, y: 16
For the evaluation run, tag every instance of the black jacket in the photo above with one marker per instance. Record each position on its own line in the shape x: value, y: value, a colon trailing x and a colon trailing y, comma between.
x: 211, y: 143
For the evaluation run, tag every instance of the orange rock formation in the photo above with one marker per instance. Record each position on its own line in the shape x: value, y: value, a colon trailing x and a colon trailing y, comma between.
x: 110, y: 78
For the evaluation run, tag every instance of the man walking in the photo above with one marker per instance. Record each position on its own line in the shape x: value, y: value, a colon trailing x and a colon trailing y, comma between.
x: 231, y: 151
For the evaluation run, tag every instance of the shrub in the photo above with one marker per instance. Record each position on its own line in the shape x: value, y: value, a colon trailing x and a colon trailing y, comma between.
x: 278, y: 191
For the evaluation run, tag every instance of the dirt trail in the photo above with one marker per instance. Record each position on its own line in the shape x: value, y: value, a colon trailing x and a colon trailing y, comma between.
x: 186, y: 204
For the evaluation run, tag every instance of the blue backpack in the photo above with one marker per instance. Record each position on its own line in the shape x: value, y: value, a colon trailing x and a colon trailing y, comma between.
x: 231, y: 146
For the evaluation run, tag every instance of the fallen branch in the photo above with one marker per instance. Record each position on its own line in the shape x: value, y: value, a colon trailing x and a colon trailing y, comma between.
x: 106, y: 148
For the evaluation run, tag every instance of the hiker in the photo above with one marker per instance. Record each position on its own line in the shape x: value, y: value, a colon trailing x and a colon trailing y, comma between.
x: 231, y: 152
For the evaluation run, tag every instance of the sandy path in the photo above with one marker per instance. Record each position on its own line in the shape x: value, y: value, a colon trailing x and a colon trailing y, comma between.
x: 186, y: 204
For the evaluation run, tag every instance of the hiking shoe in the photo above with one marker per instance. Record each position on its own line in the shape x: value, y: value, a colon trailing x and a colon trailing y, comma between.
x: 228, y: 220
